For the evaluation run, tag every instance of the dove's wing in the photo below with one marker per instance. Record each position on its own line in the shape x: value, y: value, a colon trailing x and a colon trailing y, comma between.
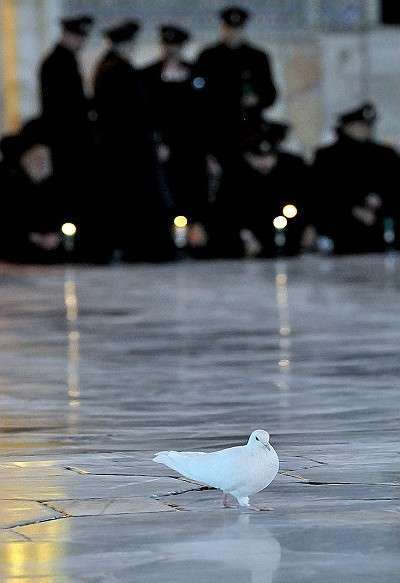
x: 220, y: 469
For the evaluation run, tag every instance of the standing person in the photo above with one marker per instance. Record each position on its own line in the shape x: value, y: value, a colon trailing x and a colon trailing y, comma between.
x: 354, y: 185
x: 236, y: 81
x: 177, y: 117
x: 137, y: 221
x: 65, y: 113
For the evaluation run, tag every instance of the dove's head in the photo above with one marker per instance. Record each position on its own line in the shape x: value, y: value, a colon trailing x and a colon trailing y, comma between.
x: 260, y: 438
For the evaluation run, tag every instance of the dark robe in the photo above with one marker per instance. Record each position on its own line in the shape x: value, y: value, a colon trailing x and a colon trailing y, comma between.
x: 29, y: 207
x: 65, y: 112
x: 178, y: 120
x: 261, y: 198
x: 137, y: 220
x: 344, y: 174
x: 225, y: 76
x: 288, y: 183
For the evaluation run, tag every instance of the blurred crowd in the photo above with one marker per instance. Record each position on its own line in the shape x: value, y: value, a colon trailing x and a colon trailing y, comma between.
x: 180, y: 159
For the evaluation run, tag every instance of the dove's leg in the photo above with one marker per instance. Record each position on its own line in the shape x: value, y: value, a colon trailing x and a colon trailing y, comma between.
x: 244, y: 502
x: 225, y: 501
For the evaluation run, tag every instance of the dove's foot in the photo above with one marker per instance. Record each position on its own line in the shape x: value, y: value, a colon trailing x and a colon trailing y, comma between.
x: 227, y: 501
x: 245, y: 503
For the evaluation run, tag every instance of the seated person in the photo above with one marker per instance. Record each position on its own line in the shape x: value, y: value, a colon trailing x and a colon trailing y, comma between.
x: 32, y: 220
x: 272, y: 182
x: 353, y: 185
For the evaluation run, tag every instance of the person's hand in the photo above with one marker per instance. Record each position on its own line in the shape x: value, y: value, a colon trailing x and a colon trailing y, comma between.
x: 364, y: 215
x: 309, y: 237
x: 213, y: 167
x: 45, y: 241
x: 373, y: 201
x: 163, y: 153
x: 267, y: 163
x: 197, y: 236
x: 51, y: 241
x: 263, y: 163
x: 249, y: 100
x: 252, y: 246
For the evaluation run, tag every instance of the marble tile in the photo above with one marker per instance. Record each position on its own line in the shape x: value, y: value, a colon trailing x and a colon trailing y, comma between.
x: 85, y: 486
x: 236, y: 547
x: 14, y: 512
x: 8, y: 536
x: 100, y: 368
x: 104, y: 507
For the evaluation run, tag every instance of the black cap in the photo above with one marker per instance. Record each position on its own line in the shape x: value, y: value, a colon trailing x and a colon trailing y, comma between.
x: 123, y: 32
x: 78, y: 25
x: 13, y: 146
x: 234, y: 16
x: 173, y: 35
x: 264, y: 137
x: 366, y: 113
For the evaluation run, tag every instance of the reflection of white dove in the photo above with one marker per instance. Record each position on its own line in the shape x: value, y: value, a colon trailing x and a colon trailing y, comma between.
x: 239, y: 471
x: 240, y: 544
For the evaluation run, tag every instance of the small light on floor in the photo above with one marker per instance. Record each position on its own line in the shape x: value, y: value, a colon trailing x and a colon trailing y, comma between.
x: 281, y: 279
x: 284, y: 363
x: 280, y: 223
x: 180, y: 231
x: 289, y: 211
x: 180, y: 222
x: 68, y: 229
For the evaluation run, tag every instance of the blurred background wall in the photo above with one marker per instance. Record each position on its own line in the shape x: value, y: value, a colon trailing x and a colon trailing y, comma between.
x: 328, y: 54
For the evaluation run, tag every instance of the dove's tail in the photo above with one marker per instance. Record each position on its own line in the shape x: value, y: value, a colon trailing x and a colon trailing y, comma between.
x: 166, y: 458
x: 186, y: 463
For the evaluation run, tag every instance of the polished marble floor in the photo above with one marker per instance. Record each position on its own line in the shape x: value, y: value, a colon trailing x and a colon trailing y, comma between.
x: 100, y: 368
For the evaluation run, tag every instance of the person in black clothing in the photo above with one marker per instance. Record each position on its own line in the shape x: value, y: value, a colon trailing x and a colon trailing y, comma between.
x: 236, y: 82
x: 137, y: 223
x: 177, y: 117
x: 354, y: 185
x: 32, y: 217
x: 65, y: 113
x: 270, y: 180
x: 10, y: 150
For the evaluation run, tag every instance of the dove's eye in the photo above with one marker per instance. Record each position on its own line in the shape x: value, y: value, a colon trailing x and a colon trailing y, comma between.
x: 257, y: 439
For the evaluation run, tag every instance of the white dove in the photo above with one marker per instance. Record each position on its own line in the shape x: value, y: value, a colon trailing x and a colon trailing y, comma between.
x: 239, y: 471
